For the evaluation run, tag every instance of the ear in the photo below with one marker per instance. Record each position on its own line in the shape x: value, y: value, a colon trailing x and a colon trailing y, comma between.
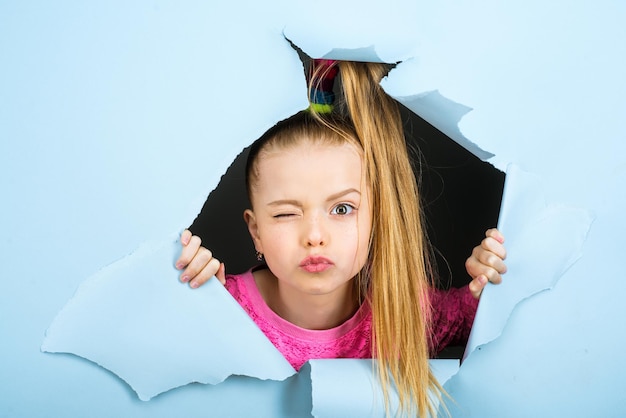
x: 253, y: 229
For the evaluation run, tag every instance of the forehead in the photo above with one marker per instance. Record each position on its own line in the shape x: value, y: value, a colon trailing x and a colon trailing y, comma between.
x: 316, y: 166
x: 305, y: 153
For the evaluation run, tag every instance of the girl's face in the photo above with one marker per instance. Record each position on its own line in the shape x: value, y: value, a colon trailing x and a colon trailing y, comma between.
x: 311, y: 216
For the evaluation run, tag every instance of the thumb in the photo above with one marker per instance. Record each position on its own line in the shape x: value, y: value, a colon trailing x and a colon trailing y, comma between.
x: 477, y: 285
x: 221, y: 273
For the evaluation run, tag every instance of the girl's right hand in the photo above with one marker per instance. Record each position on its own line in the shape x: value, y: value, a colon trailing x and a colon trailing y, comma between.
x: 197, y: 262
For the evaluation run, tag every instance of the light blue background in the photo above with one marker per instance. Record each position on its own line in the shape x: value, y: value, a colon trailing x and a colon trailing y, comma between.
x: 117, y: 119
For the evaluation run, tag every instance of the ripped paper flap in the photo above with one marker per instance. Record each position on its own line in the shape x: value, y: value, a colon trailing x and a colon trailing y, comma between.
x: 542, y: 241
x: 137, y: 320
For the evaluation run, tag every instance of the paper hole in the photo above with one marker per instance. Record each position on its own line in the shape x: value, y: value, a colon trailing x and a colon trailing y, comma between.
x: 461, y: 196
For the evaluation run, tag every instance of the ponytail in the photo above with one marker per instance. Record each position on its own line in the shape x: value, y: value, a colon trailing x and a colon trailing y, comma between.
x: 396, y: 279
x: 399, y: 273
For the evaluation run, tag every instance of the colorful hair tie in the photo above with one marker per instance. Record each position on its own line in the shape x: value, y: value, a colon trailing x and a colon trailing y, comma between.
x: 321, y: 81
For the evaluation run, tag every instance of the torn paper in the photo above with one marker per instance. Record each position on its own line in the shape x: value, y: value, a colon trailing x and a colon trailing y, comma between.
x: 348, y: 388
x: 377, y: 33
x: 137, y: 320
x: 445, y: 115
x: 115, y: 133
x: 543, y: 239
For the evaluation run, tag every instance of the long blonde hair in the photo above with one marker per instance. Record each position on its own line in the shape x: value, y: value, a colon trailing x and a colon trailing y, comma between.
x: 397, y: 276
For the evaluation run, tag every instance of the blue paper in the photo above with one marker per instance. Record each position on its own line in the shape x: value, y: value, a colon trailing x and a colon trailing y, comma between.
x: 349, y: 388
x: 117, y: 119
x: 544, y: 238
x: 135, y: 319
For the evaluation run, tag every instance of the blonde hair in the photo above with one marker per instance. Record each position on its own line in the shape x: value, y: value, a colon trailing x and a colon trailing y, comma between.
x: 397, y: 276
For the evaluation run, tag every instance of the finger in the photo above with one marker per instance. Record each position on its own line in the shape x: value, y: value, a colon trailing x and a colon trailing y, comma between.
x: 493, y: 246
x: 185, y: 237
x: 481, y: 259
x: 207, y: 272
x: 495, y: 234
x: 189, y: 252
x: 221, y: 274
x: 476, y: 268
x: 197, y: 264
x: 477, y: 285
x: 493, y: 276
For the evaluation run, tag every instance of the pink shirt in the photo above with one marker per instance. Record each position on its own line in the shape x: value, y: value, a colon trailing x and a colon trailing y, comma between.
x: 452, y: 318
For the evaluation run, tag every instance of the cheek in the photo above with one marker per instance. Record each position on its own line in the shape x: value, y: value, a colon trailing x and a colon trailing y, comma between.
x: 363, y: 247
x: 359, y: 236
x: 274, y: 238
x: 364, y: 231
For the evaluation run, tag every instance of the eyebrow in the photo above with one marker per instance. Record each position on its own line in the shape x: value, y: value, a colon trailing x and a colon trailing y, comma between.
x: 330, y: 198
x: 343, y: 193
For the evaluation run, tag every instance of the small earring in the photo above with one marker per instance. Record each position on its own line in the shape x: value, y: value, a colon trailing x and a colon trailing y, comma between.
x: 259, y: 256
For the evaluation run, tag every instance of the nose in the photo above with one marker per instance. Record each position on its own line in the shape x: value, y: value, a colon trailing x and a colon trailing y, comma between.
x: 315, y: 232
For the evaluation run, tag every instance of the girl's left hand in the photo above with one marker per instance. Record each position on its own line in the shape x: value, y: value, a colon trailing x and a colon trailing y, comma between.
x: 486, y: 264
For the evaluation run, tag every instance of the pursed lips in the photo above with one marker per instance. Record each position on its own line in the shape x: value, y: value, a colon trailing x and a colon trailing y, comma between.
x: 315, y: 264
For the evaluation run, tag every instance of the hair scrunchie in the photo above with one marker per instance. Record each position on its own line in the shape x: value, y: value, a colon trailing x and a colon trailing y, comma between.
x: 322, y: 76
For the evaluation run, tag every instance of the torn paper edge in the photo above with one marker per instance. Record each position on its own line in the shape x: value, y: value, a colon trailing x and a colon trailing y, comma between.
x: 534, y: 179
x: 146, y: 250
x: 433, y: 107
x: 369, y: 394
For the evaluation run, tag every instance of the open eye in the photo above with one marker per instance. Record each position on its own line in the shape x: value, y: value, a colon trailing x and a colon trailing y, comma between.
x: 342, y: 209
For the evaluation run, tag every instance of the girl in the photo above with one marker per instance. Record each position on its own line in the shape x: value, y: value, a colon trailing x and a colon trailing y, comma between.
x: 335, y: 214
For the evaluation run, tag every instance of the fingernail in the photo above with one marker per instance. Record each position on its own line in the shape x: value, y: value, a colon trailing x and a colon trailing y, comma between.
x: 184, y: 279
x: 193, y: 285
